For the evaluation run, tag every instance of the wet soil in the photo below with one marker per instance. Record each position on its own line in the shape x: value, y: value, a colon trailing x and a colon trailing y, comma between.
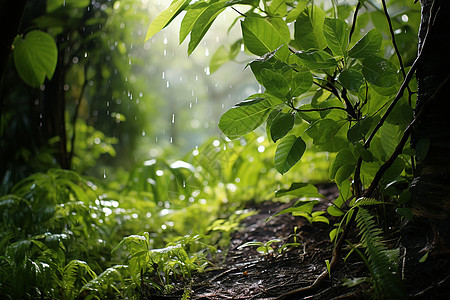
x: 247, y: 274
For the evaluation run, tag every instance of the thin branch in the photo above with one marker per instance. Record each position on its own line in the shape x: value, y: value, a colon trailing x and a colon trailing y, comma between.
x: 75, y: 117
x: 394, y: 43
x: 242, y: 15
x: 405, y: 81
x: 355, y: 15
x: 318, y: 109
x: 398, y: 150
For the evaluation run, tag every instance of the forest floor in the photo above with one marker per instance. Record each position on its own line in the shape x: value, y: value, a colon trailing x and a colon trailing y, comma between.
x: 247, y: 274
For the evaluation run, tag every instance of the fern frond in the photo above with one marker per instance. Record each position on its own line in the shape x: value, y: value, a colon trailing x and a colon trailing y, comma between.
x: 383, y: 269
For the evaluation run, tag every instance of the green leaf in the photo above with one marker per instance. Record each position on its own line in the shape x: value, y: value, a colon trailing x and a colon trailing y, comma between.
x: 35, y: 57
x: 390, y: 137
x: 276, y: 8
x: 316, y: 59
x: 245, y: 116
x: 281, y: 125
x: 164, y: 18
x: 336, y: 34
x: 192, y: 14
x: 301, y: 83
x: 379, y: 71
x: 421, y: 148
x: 220, y: 57
x: 288, y: 153
x: 308, y: 27
x: 368, y: 45
x: 351, y: 80
x: 325, y: 134
x: 344, y: 160
x: 275, y: 83
x: 261, y: 37
x: 296, y: 11
x: 203, y: 23
x: 300, y: 206
x: 359, y: 130
x: 301, y: 190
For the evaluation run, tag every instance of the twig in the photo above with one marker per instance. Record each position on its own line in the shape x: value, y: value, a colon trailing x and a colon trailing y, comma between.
x: 74, y: 119
x: 405, y: 81
x: 355, y: 15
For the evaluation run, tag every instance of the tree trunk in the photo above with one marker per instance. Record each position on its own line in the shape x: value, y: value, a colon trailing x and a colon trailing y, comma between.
x: 430, y: 190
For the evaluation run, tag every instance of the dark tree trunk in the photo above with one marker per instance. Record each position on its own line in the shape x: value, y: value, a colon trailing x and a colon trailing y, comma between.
x: 11, y: 13
x: 54, y: 108
x: 430, y: 190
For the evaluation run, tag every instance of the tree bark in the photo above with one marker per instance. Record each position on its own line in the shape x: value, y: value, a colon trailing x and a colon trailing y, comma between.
x: 430, y: 189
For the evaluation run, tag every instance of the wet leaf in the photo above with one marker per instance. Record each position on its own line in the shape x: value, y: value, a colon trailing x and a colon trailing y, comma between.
x: 308, y: 32
x: 300, y: 189
x: 288, y: 153
x: 261, y: 37
x: 164, y: 18
x: 316, y: 59
x: 336, y: 35
x: 281, y: 125
x: 368, y: 45
x: 245, y: 117
x: 301, y: 83
x: 380, y: 72
x: 203, y: 23
x: 351, y: 80
x: 275, y: 83
x: 35, y: 57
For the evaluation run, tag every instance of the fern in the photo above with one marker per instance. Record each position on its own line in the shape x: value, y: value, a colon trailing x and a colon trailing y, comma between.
x: 383, y: 269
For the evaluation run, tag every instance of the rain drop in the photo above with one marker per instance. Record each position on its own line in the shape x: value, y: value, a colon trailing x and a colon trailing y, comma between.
x: 173, y: 118
x: 104, y: 173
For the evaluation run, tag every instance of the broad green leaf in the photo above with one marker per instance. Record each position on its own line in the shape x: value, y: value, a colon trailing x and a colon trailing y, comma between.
x: 203, y: 23
x: 301, y: 190
x: 335, y: 208
x: 220, y: 57
x: 164, y: 18
x: 281, y: 125
x: 401, y: 115
x: 324, y: 133
x: 35, y: 57
x: 289, y: 152
x: 390, y: 136
x: 261, y: 37
x: 301, y: 82
x: 245, y: 117
x: 344, y: 173
x: 394, y: 171
x: 336, y: 34
x: 191, y: 16
x: 368, y: 45
x: 276, y: 8
x: 405, y: 212
x: 308, y: 27
x: 275, y: 83
x: 359, y: 130
x: 380, y: 72
x: 296, y: 11
x: 270, y: 62
x: 282, y: 28
x: 316, y: 59
x: 344, y: 159
x: 351, y: 80
x: 300, y: 206
x: 421, y: 148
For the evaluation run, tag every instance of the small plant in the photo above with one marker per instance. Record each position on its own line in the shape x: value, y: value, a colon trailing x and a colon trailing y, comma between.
x: 265, y: 249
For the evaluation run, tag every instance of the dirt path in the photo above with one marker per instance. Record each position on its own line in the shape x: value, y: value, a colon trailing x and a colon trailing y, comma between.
x: 247, y: 274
